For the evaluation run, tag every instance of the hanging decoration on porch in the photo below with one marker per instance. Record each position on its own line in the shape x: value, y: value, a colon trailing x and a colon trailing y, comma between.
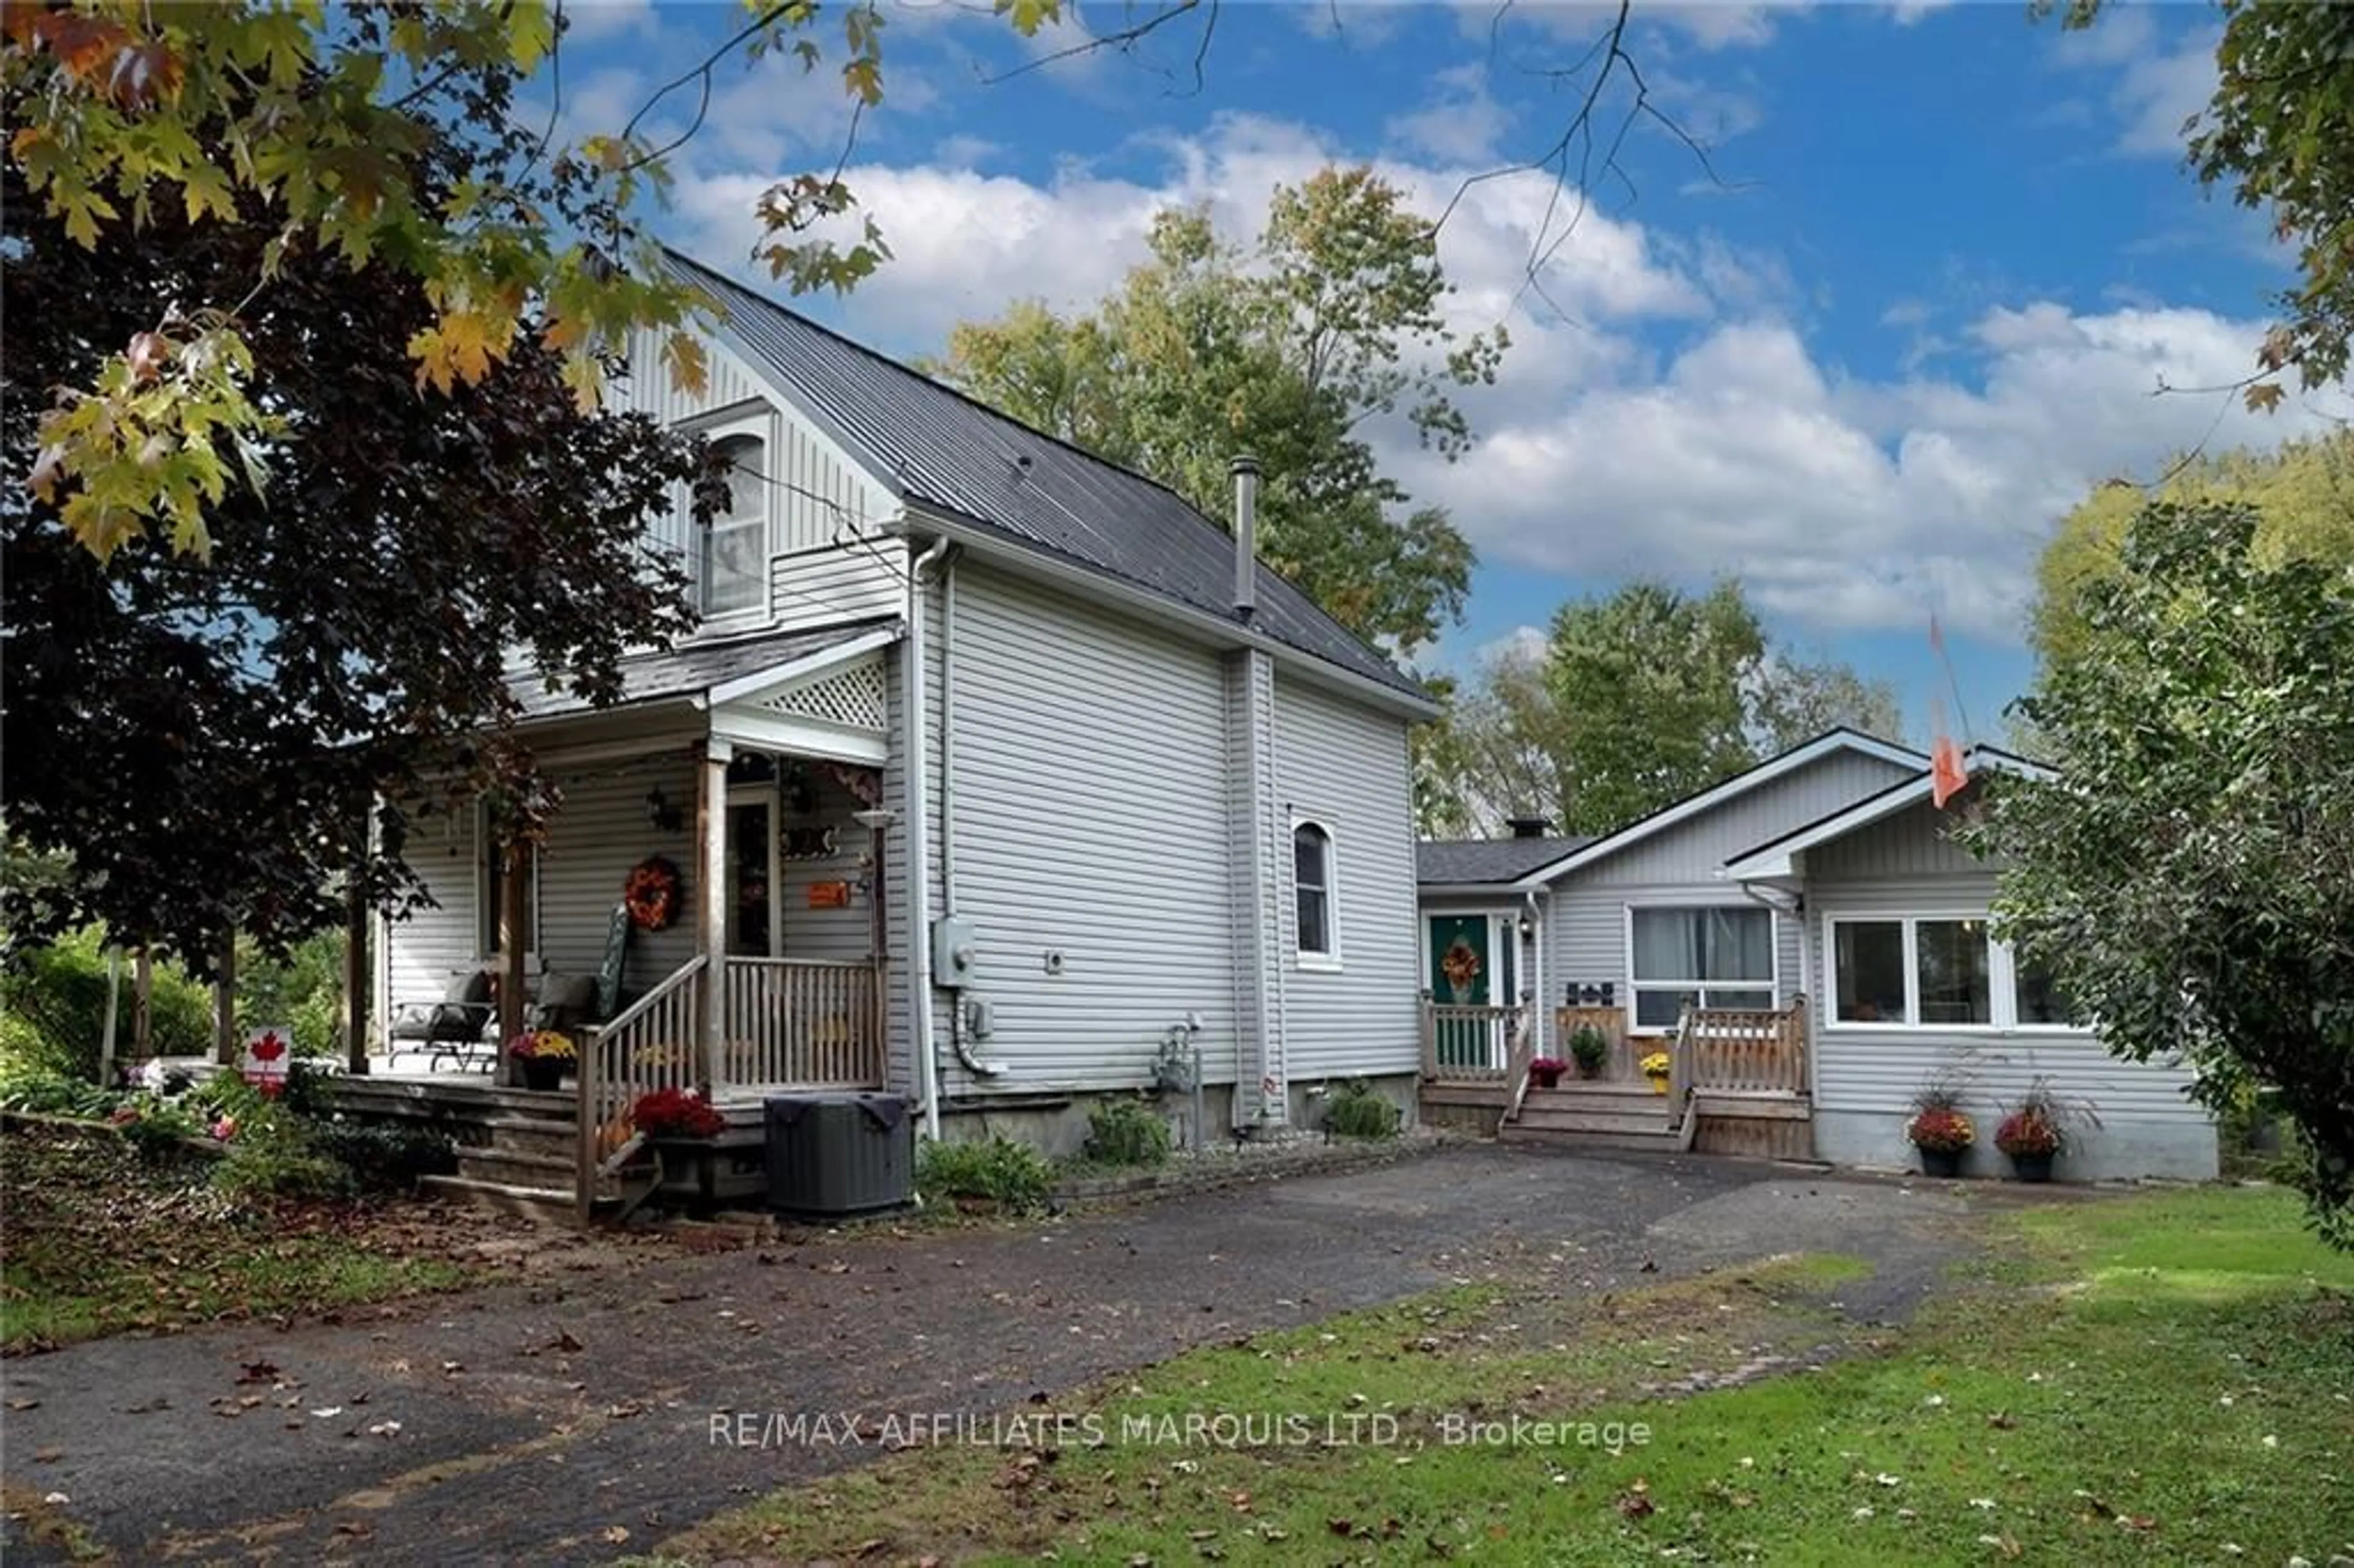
x: 864, y: 784
x: 652, y: 893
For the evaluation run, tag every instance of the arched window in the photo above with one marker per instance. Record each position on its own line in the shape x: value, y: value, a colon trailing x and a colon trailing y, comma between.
x: 1312, y: 889
x: 733, y: 572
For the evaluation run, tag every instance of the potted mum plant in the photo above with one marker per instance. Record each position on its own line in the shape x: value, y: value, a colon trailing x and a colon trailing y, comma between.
x: 1589, y: 1048
x: 1940, y: 1130
x: 1545, y: 1072
x: 2031, y: 1135
x: 1658, y: 1067
x: 544, y: 1056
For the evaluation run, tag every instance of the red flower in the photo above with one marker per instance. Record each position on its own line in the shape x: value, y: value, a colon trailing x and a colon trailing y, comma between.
x: 676, y: 1113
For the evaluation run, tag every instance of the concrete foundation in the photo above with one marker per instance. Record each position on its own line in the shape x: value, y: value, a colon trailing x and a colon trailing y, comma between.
x: 2175, y: 1148
x: 1056, y: 1125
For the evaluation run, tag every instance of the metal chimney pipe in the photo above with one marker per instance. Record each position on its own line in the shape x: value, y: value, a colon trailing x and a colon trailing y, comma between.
x: 1246, y: 468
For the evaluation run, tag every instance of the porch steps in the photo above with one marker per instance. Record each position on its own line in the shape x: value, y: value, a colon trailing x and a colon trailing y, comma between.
x: 1597, y: 1115
x: 532, y: 1203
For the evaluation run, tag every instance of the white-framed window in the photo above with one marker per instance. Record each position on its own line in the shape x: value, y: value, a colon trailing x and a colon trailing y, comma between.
x: 1709, y: 955
x: 732, y: 564
x: 1936, y: 971
x: 1314, y: 881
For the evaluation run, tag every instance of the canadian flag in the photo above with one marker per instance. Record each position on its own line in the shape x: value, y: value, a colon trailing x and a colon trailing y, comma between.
x: 1948, y: 771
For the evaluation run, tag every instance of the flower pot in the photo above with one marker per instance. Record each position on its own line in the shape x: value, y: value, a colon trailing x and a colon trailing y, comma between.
x: 1545, y: 1080
x: 543, y: 1073
x: 1659, y: 1085
x: 2031, y: 1166
x: 1941, y: 1162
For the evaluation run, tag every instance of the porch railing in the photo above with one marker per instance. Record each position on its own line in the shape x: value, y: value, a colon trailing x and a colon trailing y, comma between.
x: 802, y: 1021
x: 1746, y: 1051
x: 650, y: 1044
x: 1465, y: 1044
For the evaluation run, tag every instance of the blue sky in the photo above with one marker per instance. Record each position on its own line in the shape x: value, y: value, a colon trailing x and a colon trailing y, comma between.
x: 1945, y: 261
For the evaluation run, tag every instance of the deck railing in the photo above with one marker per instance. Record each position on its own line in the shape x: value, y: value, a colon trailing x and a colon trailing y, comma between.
x: 1465, y: 1044
x: 650, y: 1044
x: 1746, y: 1051
x: 802, y: 1021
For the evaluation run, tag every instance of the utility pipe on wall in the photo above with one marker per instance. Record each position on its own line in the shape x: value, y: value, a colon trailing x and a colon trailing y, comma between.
x: 964, y: 1056
x: 918, y: 851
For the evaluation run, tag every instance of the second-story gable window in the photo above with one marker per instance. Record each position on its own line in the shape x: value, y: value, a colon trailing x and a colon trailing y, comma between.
x: 733, y: 572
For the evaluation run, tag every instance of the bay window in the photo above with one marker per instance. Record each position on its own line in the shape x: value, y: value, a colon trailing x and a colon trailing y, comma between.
x: 1936, y: 971
x: 1713, y: 956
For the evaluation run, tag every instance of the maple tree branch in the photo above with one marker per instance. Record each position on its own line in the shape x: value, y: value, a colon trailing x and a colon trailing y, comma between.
x: 700, y: 73
x: 1125, y: 41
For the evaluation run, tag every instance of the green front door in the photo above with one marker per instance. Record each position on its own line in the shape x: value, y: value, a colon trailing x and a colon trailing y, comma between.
x: 1470, y: 966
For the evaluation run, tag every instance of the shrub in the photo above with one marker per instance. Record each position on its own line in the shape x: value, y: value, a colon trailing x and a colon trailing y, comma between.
x: 381, y: 1158
x: 1126, y: 1132
x: 1355, y: 1111
x: 1009, y: 1174
x: 1589, y: 1048
x: 45, y: 1093
x: 302, y: 991
x: 55, y: 997
x: 155, y: 1128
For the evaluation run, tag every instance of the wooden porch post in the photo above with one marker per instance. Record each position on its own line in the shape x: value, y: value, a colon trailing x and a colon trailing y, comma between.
x: 358, y: 973
x: 143, y: 995
x: 225, y: 1041
x: 512, y: 939
x: 711, y: 909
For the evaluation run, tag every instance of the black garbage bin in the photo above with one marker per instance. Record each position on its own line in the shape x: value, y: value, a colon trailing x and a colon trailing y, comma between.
x: 836, y: 1155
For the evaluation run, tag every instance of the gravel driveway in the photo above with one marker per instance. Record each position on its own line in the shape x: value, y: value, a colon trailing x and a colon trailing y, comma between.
x: 573, y: 1422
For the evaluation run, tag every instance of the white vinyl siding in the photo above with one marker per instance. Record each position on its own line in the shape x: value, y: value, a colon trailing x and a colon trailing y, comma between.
x: 1688, y: 853
x: 830, y: 557
x: 419, y: 956
x: 1090, y: 807
x: 1345, y: 767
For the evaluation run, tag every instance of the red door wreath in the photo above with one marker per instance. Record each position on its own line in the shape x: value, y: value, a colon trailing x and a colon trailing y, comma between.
x: 652, y: 893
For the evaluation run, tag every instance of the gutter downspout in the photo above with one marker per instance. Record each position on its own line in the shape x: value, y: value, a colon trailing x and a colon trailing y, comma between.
x: 917, y: 850
x: 964, y: 1056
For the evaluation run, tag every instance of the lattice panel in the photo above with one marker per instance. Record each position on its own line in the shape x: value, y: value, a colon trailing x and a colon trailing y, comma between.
x: 851, y: 697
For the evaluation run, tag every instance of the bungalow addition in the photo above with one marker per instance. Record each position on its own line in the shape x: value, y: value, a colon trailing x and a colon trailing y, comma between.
x: 1806, y: 948
x: 996, y: 775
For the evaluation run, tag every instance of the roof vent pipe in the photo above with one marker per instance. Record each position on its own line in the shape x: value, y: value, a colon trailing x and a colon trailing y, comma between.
x: 1246, y: 468
x: 1529, y: 827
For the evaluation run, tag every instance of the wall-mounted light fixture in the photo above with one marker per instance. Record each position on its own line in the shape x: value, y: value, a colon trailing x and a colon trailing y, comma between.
x: 664, y: 817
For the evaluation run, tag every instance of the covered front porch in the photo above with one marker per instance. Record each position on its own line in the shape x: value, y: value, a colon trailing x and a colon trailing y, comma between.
x: 704, y: 908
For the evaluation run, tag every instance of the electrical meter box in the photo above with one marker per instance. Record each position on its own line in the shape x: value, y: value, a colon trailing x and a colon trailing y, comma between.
x: 952, y: 952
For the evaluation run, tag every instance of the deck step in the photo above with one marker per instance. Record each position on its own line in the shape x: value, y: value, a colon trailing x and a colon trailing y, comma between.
x: 1662, y: 1140
x: 1565, y: 1118
x: 533, y: 1202
x: 506, y: 1169
x: 1595, y: 1090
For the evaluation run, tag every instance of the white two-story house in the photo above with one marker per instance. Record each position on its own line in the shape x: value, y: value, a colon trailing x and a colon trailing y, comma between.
x: 993, y: 773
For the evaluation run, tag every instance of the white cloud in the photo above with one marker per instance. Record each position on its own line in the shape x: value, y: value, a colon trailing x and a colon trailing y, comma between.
x: 1855, y: 505
x: 1711, y: 24
x: 1462, y: 124
x: 593, y: 19
x: 2157, y: 84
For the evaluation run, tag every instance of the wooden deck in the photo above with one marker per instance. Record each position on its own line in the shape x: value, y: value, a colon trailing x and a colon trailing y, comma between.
x: 1739, y: 1083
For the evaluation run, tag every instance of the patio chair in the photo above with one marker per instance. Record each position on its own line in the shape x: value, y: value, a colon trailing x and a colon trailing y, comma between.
x: 454, y: 1027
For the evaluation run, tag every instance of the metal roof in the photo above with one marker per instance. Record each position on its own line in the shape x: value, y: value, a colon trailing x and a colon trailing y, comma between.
x: 941, y: 449
x: 691, y: 670
x: 1461, y: 862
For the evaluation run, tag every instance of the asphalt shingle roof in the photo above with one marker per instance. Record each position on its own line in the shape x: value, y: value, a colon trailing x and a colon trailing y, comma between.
x: 682, y: 671
x: 965, y: 459
x: 1456, y: 862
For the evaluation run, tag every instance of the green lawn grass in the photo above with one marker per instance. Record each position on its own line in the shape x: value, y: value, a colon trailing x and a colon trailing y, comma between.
x: 99, y: 1240
x: 2160, y: 1379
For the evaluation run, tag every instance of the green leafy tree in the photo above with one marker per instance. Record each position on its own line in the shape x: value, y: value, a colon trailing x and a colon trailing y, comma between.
x: 1635, y: 700
x: 1289, y: 347
x: 1648, y: 688
x: 2190, y: 874
x: 132, y: 123
x: 2303, y: 495
x: 193, y: 744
